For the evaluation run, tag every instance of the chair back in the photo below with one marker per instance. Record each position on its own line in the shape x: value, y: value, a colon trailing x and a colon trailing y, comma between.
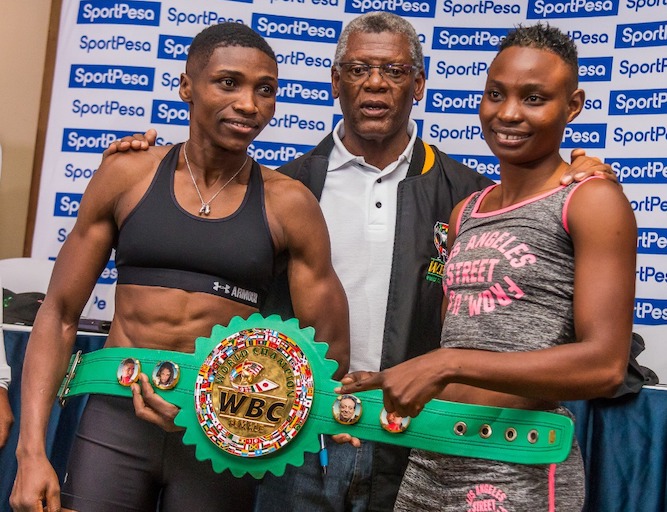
x: 26, y: 274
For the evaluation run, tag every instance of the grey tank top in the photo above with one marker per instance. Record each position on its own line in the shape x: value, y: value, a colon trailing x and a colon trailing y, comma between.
x: 509, y: 278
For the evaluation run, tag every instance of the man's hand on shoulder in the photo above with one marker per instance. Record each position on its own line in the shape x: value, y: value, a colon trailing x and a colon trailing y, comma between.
x: 136, y: 142
x: 583, y: 166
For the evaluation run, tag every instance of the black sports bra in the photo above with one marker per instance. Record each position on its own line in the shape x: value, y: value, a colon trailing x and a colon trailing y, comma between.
x: 161, y: 244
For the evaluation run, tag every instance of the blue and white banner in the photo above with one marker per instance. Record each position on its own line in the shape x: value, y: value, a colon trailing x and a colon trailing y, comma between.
x: 118, y: 65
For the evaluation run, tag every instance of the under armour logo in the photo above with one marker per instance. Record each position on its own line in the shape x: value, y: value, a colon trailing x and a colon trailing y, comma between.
x: 217, y: 287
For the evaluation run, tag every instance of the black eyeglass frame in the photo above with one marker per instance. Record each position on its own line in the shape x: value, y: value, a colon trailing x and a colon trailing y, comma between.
x: 407, y: 69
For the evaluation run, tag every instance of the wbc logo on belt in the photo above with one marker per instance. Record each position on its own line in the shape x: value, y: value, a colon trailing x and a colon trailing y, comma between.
x: 253, y: 392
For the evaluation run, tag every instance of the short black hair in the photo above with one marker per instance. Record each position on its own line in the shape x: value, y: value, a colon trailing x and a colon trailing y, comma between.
x: 376, y: 23
x: 544, y: 37
x: 224, y: 34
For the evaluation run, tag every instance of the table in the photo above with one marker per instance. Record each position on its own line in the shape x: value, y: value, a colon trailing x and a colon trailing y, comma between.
x: 63, y: 421
x: 623, y: 441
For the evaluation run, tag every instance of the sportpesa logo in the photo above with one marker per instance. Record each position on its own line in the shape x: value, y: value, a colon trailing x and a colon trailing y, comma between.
x: 584, y: 136
x: 119, y: 13
x: 648, y: 135
x: 170, y: 81
x: 66, y: 204
x: 109, y: 275
x: 453, y: 101
x: 206, y: 18
x: 639, y: 170
x: 80, y: 140
x: 469, y: 132
x: 538, y: 9
x: 299, y: 29
x: 74, y: 173
x: 637, y: 102
x: 414, y: 8
x: 637, y: 5
x: 652, y: 275
x: 489, y: 7
x: 595, y: 69
x: 653, y: 67
x: 585, y: 38
x: 296, y: 122
x: 641, y: 35
x: 299, y: 58
x: 115, y: 43
x: 170, y: 112
x: 474, y: 68
x: 651, y: 241
x: 309, y: 93
x: 650, y: 312
x: 485, y: 165
x: 173, y: 47
x: 100, y: 76
x: 476, y: 39
x: 649, y: 204
x: 276, y: 154
x: 106, y: 108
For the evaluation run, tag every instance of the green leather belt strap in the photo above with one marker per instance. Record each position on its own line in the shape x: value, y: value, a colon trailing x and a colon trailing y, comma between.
x: 509, y: 435
x: 95, y: 372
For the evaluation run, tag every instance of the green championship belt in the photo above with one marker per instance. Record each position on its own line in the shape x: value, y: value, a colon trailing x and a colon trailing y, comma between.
x: 255, y: 396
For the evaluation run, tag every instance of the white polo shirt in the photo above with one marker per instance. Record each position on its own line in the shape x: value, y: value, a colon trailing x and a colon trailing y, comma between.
x: 359, y: 204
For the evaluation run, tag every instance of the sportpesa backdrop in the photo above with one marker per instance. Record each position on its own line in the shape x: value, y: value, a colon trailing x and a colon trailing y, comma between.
x: 118, y: 65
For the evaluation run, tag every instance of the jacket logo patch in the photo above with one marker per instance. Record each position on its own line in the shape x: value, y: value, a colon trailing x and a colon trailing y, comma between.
x: 436, y: 267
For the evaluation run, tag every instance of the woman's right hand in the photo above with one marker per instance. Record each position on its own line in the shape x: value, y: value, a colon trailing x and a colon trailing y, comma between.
x: 36, y: 487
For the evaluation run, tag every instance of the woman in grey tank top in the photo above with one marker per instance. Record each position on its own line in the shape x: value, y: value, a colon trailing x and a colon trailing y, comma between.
x: 539, y: 290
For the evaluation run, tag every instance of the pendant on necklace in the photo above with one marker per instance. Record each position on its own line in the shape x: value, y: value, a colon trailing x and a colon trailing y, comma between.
x: 205, y: 209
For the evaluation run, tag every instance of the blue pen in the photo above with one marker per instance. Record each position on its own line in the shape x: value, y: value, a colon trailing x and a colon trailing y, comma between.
x: 324, y: 456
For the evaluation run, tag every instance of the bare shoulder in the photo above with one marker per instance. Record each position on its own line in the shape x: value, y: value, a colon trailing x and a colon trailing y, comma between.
x: 272, y: 177
x: 602, y: 203
x: 293, y: 212
x: 285, y: 192
x: 599, y: 191
x: 121, y: 180
x: 132, y: 165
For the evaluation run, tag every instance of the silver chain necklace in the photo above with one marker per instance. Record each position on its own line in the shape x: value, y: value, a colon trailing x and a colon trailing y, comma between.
x: 206, y: 205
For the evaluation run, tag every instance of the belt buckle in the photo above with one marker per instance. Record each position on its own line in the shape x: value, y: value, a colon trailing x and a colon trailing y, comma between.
x: 71, y: 372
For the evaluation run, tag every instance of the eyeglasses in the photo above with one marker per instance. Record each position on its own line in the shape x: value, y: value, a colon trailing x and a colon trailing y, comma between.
x: 355, y: 72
